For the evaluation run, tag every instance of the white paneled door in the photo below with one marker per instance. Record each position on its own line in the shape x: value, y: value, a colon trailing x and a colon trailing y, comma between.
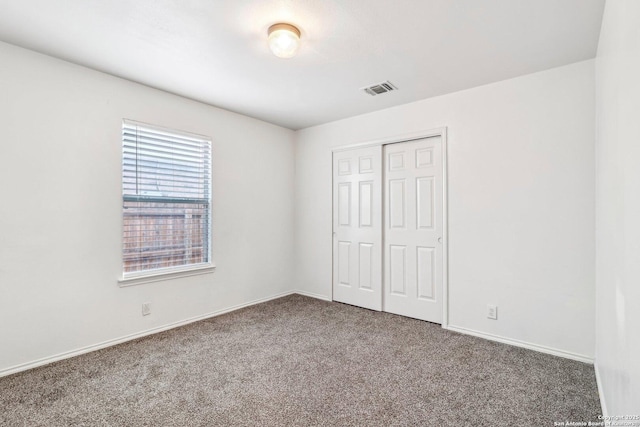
x: 413, y: 229
x: 388, y: 213
x: 357, y: 227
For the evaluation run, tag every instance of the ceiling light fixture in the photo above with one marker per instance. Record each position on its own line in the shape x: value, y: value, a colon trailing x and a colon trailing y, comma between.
x: 284, y: 40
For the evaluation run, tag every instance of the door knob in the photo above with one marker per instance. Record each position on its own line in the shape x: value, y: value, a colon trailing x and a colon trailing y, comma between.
x: 439, y: 239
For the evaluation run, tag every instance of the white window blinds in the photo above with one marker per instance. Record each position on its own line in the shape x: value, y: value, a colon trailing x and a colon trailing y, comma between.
x: 166, y: 183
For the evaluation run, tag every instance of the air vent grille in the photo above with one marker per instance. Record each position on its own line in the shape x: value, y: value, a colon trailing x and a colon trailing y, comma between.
x: 380, y: 88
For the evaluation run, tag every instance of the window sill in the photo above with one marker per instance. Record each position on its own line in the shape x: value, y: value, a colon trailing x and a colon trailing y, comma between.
x: 133, y: 279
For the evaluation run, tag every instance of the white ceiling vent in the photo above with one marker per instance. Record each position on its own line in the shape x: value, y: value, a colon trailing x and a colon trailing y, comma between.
x: 380, y: 88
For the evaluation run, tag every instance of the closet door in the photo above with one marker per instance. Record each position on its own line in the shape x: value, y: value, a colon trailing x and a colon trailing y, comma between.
x: 413, y: 250
x: 357, y: 227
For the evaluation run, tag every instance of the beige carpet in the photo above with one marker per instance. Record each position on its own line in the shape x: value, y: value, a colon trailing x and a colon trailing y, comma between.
x: 297, y: 361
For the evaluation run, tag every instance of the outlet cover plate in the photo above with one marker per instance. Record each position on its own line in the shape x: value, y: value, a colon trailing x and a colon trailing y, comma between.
x: 492, y: 312
x: 146, y: 308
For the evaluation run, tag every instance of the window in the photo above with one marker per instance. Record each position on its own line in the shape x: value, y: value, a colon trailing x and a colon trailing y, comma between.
x: 166, y: 200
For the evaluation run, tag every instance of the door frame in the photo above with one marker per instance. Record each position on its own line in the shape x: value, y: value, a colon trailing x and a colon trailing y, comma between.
x: 442, y: 133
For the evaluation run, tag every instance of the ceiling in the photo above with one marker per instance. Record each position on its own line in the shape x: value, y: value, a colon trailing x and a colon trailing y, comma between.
x: 216, y: 51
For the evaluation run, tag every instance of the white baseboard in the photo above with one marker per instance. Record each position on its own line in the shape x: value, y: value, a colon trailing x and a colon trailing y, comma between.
x: 312, y: 295
x: 523, y: 344
x: 603, y: 402
x: 109, y: 343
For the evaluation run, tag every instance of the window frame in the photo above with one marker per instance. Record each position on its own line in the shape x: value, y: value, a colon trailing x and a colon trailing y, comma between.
x: 173, y: 272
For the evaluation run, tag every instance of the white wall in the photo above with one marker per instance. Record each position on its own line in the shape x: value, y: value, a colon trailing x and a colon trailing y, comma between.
x: 618, y: 207
x: 520, y: 209
x: 521, y: 203
x: 60, y: 216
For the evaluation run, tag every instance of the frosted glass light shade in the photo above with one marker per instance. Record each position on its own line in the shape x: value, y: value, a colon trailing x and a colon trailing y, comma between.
x: 284, y: 40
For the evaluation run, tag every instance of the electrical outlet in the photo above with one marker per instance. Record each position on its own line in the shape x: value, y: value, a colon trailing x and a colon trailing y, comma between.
x: 146, y: 308
x: 492, y: 312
